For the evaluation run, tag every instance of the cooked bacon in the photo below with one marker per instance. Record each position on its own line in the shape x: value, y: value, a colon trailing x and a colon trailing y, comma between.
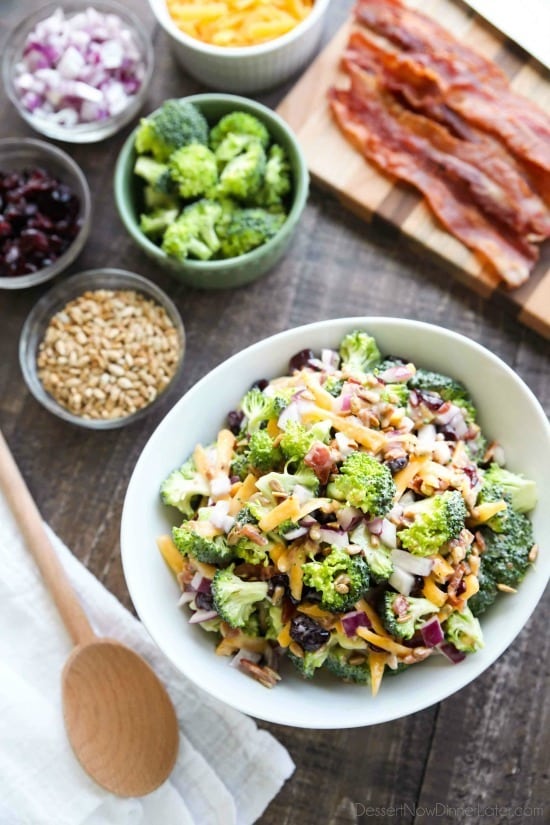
x: 413, y: 31
x: 364, y: 113
x: 320, y: 459
x: 443, y: 72
x: 495, y: 183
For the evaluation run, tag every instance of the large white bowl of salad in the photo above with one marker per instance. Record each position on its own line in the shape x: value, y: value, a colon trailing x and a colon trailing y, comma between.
x: 338, y: 526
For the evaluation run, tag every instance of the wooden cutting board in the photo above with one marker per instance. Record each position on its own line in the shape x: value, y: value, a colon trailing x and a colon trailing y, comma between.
x: 336, y: 166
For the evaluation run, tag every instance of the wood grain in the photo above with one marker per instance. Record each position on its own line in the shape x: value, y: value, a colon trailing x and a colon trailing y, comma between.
x: 338, y: 167
x: 337, y: 266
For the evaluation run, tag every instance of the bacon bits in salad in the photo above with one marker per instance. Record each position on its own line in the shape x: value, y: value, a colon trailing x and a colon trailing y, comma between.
x: 351, y: 518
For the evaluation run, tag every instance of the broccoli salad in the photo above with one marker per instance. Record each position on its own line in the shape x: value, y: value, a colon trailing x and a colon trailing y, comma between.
x: 209, y: 193
x: 351, y: 518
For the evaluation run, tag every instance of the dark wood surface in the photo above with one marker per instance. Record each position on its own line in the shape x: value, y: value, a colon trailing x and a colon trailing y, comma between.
x: 486, y: 746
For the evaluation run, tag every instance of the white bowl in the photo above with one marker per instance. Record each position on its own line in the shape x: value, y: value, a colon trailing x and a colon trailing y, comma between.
x: 508, y: 412
x: 245, y: 69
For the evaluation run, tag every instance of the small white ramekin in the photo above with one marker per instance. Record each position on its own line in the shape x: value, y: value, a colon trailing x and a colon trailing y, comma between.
x: 245, y: 69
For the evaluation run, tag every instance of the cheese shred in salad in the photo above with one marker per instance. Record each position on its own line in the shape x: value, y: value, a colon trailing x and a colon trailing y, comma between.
x: 350, y: 518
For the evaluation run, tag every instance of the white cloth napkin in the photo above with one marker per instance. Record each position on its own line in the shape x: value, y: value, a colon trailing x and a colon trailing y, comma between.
x: 227, y: 770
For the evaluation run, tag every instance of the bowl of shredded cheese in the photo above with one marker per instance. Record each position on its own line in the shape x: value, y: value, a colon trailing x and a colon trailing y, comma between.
x: 242, y: 47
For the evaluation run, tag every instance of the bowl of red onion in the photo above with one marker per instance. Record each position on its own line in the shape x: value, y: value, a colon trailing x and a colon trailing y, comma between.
x: 78, y: 73
x: 45, y: 212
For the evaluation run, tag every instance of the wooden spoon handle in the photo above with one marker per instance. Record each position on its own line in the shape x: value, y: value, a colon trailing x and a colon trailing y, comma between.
x: 32, y: 527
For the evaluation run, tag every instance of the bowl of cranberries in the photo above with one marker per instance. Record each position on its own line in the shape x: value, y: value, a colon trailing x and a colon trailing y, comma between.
x: 45, y: 212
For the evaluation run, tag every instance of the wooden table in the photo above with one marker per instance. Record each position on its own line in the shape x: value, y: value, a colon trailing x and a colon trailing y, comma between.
x: 489, y: 744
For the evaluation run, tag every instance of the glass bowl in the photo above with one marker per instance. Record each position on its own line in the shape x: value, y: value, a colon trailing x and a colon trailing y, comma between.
x: 40, y: 316
x: 82, y: 132
x: 17, y: 154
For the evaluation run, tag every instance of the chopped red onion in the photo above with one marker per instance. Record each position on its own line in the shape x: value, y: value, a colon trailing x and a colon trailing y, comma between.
x: 395, y: 513
x: 351, y: 621
x: 220, y: 485
x: 345, y: 402
x: 200, y: 584
x: 308, y: 521
x: 432, y: 632
x: 446, y: 414
x: 375, y: 526
x: 417, y: 565
x: 335, y: 537
x: 219, y: 517
x: 348, y: 517
x: 70, y: 62
x: 290, y: 413
x: 243, y: 653
x: 297, y: 533
x: 344, y: 444
x: 302, y: 493
x: 451, y: 652
x: 425, y: 442
x: 407, y: 498
x: 330, y: 359
x: 388, y: 534
x: 186, y: 597
x: 202, y: 616
x: 402, y: 581
x: 398, y: 374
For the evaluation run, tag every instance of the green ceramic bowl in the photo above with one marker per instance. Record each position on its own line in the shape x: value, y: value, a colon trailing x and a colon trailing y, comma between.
x: 231, y: 272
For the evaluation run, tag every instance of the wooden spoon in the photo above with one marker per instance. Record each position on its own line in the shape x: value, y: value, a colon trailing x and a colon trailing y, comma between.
x: 118, y: 716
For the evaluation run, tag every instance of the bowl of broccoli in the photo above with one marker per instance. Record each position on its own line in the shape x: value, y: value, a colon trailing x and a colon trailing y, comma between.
x: 212, y: 188
x: 363, y: 534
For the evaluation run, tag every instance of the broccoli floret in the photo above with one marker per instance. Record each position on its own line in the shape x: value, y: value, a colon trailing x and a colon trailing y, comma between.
x: 154, y: 173
x: 506, y: 555
x: 522, y: 491
x: 296, y: 440
x: 437, y: 520
x: 193, y: 168
x: 153, y: 199
x: 286, y: 526
x: 463, y: 630
x: 240, y: 123
x: 486, y: 595
x: 286, y: 482
x: 247, y: 229
x: 338, y: 663
x: 276, y: 183
x: 242, y: 176
x: 395, y: 394
x: 250, y: 552
x: 252, y: 626
x: 448, y: 388
x: 333, y: 385
x: 183, y: 487
x: 155, y: 224
x: 262, y: 452
x: 231, y: 146
x: 403, y: 625
x: 337, y: 572
x: 240, y: 466
x: 193, y: 234
x: 208, y: 550
x: 365, y: 483
x: 311, y: 661
x: 258, y: 409
x: 176, y: 124
x: 273, y: 621
x: 235, y: 599
x: 246, y: 516
x: 378, y: 558
x: 359, y: 352
x: 490, y: 493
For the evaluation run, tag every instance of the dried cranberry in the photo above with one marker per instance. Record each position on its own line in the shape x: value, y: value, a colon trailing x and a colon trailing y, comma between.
x: 278, y: 580
x: 396, y: 464
x: 234, y: 420
x: 301, y: 359
x: 204, y: 601
x: 431, y: 400
x: 308, y: 633
x: 260, y: 384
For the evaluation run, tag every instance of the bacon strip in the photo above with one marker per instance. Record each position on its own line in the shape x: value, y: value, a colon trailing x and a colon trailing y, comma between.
x: 367, y: 117
x: 499, y: 185
x: 413, y: 31
x: 449, y: 73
